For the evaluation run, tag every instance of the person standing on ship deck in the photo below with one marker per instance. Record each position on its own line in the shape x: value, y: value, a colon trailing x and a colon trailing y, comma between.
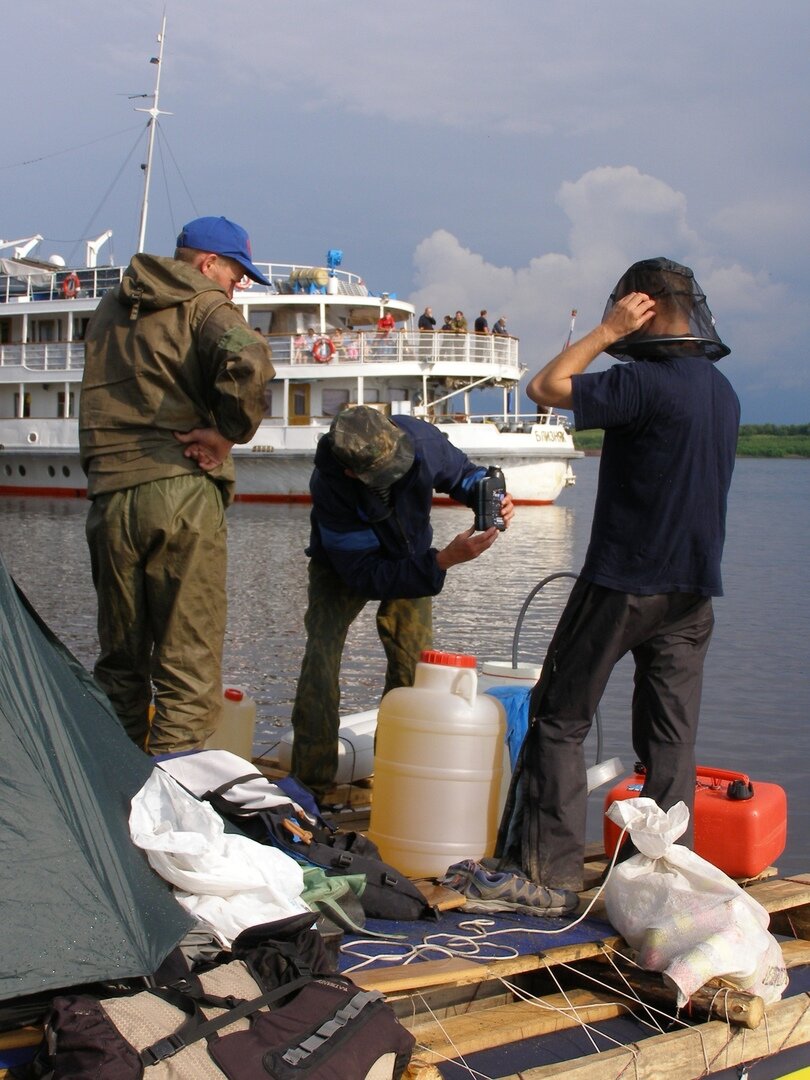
x: 652, y: 565
x: 371, y: 539
x: 173, y: 377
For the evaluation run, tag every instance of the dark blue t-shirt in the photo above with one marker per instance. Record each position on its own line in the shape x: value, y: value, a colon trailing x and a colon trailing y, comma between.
x: 668, y: 454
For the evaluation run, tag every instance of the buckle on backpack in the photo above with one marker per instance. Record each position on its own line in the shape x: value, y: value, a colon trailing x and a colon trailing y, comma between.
x: 162, y: 1049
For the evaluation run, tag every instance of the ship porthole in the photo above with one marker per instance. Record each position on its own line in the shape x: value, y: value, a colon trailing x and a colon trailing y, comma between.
x: 51, y: 471
x: 33, y: 437
x: 21, y: 470
x: 8, y: 470
x: 65, y: 471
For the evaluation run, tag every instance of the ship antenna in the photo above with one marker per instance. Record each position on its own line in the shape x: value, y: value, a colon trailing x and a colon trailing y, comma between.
x: 154, y: 113
x: 570, y: 329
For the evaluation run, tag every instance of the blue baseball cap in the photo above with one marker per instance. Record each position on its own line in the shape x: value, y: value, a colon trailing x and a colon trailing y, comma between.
x: 222, y: 237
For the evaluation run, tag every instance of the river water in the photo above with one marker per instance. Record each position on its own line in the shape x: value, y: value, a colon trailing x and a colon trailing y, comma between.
x: 756, y: 702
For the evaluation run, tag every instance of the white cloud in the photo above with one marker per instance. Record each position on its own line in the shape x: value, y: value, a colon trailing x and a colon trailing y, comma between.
x: 616, y: 216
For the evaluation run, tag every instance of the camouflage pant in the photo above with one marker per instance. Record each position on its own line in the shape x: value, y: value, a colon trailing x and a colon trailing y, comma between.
x: 405, y: 628
x: 158, y: 556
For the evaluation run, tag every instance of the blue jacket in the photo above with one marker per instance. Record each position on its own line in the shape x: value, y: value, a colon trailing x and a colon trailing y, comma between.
x: 383, y: 551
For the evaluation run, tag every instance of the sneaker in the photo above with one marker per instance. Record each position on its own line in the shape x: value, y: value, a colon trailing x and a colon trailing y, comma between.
x: 492, y: 890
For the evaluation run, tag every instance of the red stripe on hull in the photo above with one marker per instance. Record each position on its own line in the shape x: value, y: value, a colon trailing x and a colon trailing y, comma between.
x: 45, y: 492
x: 81, y: 493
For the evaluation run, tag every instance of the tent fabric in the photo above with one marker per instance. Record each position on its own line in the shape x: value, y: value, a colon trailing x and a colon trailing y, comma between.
x: 80, y: 903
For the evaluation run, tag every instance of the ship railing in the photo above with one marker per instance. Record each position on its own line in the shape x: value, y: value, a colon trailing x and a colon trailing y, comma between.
x: 516, y: 423
x: 93, y: 282
x: 88, y: 283
x: 44, y: 356
x: 400, y: 346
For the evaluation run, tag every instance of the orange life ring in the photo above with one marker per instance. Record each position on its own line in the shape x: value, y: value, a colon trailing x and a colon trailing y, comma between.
x: 323, y: 350
x: 70, y: 286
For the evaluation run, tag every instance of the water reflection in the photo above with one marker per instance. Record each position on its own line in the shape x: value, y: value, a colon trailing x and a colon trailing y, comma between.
x: 755, y: 702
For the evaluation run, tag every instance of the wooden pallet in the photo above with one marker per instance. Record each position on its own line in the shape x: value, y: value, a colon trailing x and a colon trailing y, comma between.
x: 459, y: 1007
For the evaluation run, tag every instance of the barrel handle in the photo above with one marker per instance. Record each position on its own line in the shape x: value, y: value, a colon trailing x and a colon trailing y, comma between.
x: 705, y: 772
x: 465, y: 685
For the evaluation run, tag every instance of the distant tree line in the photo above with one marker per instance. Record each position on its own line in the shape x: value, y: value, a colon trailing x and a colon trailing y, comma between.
x: 755, y: 440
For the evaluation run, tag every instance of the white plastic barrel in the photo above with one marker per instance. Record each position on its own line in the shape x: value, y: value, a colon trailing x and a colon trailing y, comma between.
x: 237, y: 726
x: 437, y: 768
x: 355, y: 747
x: 502, y: 673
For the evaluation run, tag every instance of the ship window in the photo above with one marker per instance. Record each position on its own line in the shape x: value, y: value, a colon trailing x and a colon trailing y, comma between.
x: 51, y: 471
x: 332, y: 401
x: 80, y: 328
x: 8, y: 470
x: 65, y: 471
x: 71, y: 403
x: 21, y: 470
x: 5, y: 331
x: 398, y: 393
x: 371, y: 397
x: 43, y: 330
x: 26, y: 404
x: 268, y: 400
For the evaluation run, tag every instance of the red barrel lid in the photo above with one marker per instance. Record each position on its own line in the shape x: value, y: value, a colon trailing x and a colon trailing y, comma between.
x: 447, y: 659
x: 232, y: 694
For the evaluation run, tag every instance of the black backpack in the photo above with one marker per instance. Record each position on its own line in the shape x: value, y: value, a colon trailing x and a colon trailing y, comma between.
x: 304, y: 1022
x: 388, y: 894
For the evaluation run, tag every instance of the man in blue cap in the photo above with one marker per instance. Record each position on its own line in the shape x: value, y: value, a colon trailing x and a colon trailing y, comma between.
x: 173, y: 377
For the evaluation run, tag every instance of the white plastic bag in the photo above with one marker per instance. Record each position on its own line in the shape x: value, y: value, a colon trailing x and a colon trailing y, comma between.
x: 227, y: 881
x: 683, y: 916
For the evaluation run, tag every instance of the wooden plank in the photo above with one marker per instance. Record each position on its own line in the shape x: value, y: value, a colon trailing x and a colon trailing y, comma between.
x: 796, y: 952
x: 15, y: 1040
x: 468, y: 1033
x: 781, y: 894
x: 689, y: 1052
x: 458, y: 972
x: 440, y: 897
x: 792, y: 922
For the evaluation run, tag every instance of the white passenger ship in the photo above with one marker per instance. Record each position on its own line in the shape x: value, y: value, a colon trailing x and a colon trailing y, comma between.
x: 328, y: 352
x: 322, y: 326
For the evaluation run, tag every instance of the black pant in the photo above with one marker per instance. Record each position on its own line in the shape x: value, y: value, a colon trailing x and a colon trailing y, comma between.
x: 543, y: 825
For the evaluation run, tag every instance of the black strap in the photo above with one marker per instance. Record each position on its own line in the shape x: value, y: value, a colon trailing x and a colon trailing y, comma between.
x: 225, y: 806
x: 196, y: 1027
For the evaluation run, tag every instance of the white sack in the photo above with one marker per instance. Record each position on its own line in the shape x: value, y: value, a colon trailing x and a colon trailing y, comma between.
x: 227, y: 881
x: 683, y: 916
x: 206, y: 770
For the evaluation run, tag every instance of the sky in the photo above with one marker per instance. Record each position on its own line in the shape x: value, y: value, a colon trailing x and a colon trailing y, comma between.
x: 464, y: 154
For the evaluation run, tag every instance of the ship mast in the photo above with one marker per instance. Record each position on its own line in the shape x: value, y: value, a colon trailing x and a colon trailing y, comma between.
x: 154, y: 113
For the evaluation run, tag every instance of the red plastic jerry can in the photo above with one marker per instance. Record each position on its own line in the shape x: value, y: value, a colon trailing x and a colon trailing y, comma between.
x: 740, y: 827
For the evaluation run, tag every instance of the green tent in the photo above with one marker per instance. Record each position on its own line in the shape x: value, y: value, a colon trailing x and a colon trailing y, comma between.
x: 79, y: 902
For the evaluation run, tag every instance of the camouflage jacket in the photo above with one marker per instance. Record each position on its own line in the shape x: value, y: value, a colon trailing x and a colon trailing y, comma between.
x: 166, y: 351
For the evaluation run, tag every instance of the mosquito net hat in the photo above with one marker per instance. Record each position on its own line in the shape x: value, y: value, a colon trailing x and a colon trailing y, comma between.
x: 683, y: 324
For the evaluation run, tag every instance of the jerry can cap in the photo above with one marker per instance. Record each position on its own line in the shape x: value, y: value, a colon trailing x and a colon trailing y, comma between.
x: 447, y: 659
x: 232, y: 694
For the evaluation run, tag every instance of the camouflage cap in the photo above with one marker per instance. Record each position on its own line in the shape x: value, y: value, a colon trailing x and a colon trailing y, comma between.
x: 375, y: 449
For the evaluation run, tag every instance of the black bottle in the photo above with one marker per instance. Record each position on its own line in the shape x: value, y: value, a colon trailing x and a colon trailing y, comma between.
x: 489, y: 493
